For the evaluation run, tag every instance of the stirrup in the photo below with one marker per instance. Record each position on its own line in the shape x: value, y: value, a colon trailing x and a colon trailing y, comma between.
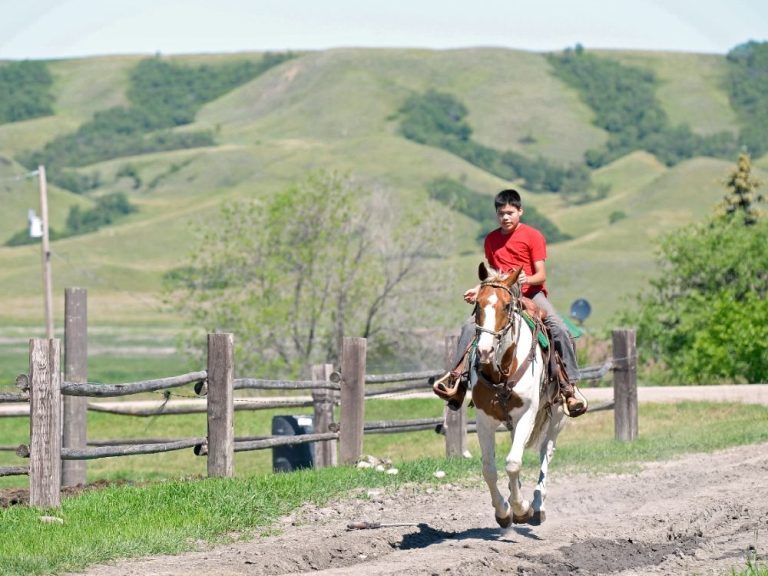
x: 452, y: 389
x: 577, y: 395
x: 446, y: 387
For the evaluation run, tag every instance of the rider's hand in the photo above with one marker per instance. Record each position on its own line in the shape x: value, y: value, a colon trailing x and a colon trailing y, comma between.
x: 522, y: 278
x: 471, y: 295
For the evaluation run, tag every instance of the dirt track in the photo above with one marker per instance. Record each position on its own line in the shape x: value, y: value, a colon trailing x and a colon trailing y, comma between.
x: 701, y: 514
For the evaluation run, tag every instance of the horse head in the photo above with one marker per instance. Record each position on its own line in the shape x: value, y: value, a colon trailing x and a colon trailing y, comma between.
x: 495, y: 304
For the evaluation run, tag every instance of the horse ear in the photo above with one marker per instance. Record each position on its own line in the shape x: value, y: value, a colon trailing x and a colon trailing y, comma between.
x: 482, y: 272
x: 512, y: 278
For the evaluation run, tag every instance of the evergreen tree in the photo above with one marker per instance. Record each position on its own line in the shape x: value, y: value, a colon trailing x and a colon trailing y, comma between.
x: 742, y: 198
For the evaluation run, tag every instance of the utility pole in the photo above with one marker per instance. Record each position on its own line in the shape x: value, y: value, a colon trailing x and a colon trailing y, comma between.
x: 46, y: 253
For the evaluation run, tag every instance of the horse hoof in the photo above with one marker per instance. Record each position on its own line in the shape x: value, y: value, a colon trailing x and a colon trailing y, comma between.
x: 538, y: 518
x: 504, y: 522
x: 523, y: 518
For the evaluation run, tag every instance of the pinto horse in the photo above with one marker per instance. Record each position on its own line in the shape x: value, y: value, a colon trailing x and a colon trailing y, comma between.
x: 510, y: 386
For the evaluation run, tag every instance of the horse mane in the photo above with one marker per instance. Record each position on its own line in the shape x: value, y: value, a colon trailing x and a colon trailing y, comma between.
x: 495, y: 275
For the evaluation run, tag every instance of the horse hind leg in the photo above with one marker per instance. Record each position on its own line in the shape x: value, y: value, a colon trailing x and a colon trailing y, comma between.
x: 546, y: 453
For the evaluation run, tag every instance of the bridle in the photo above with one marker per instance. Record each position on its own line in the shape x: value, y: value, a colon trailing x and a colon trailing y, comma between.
x: 513, y: 306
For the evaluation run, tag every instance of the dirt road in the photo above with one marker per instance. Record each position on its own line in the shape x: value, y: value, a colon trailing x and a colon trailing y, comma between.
x: 700, y: 514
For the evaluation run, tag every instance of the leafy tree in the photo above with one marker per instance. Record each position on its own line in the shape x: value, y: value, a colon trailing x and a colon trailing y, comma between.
x: 704, y: 317
x: 292, y: 273
x: 25, y: 91
x: 434, y: 116
x: 108, y: 208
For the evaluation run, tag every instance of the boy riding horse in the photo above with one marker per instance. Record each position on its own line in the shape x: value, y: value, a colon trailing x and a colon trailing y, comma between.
x: 512, y: 246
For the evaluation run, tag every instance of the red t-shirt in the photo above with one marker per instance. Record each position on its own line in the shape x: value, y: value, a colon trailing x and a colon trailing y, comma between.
x: 523, y: 247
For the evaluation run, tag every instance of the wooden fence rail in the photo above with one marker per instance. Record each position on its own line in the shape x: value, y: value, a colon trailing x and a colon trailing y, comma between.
x: 14, y: 470
x: 112, y: 390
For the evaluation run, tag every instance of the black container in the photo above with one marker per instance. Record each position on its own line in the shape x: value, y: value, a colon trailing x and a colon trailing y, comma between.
x: 297, y: 456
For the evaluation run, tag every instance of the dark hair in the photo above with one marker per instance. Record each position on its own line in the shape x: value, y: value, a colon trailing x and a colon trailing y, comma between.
x: 509, y: 196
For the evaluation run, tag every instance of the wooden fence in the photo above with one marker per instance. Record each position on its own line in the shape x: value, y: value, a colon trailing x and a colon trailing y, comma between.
x: 58, y: 447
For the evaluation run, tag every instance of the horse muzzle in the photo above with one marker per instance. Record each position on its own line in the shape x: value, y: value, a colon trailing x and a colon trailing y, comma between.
x: 485, y: 354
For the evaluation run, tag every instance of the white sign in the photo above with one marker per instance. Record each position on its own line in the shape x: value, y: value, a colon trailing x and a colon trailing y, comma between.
x: 35, y: 225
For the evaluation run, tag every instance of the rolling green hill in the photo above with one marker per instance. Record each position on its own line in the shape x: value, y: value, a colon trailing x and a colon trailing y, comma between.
x: 337, y: 109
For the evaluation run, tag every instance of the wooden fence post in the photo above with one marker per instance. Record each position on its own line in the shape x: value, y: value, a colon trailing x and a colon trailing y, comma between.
x: 74, y: 432
x: 45, y: 422
x: 625, y: 384
x: 221, y: 407
x: 323, y: 401
x: 455, y: 420
x: 352, y: 399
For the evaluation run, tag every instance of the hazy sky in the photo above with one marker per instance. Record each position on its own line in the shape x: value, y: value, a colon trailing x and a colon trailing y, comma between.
x: 67, y: 28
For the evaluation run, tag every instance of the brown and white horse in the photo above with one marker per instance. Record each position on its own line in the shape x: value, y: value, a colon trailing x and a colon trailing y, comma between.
x: 509, y: 386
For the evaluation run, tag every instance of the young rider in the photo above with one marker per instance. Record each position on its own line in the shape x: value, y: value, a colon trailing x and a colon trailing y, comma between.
x: 516, y: 245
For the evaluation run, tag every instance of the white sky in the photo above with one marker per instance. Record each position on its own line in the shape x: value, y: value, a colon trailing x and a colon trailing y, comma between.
x: 69, y: 28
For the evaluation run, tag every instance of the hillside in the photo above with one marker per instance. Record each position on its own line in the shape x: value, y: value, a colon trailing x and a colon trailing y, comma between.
x: 336, y: 109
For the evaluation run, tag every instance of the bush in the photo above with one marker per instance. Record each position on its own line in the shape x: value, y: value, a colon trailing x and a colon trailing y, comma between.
x: 25, y: 91
x: 615, y: 216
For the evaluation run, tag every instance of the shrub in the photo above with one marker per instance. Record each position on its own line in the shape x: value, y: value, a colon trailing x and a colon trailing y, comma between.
x: 25, y: 91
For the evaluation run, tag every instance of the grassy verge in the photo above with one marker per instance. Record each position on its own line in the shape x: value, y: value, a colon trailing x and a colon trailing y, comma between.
x: 753, y: 568
x: 170, y: 516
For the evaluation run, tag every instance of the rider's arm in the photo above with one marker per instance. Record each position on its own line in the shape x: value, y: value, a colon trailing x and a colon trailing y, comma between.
x: 539, y: 275
x: 471, y: 295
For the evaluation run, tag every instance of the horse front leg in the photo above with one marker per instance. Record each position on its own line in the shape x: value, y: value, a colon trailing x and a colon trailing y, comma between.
x: 486, y: 435
x: 521, y: 508
x: 546, y: 453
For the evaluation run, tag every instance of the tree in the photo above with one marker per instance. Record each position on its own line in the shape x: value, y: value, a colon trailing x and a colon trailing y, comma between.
x: 291, y: 274
x: 742, y: 198
x: 705, y: 317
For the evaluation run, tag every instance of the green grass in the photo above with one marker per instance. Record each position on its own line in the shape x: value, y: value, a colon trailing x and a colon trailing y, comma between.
x: 753, y: 568
x: 167, y: 517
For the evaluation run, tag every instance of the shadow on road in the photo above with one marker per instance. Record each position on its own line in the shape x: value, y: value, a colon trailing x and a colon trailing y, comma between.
x: 426, y: 536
